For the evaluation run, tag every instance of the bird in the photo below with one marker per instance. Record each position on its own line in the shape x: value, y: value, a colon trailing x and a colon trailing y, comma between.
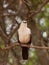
x: 24, y: 36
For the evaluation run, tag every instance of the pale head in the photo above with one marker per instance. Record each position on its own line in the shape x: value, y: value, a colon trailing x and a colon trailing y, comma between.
x: 24, y: 21
x: 23, y: 24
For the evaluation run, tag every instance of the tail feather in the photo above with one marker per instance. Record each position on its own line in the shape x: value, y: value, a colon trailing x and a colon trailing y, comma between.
x: 25, y: 53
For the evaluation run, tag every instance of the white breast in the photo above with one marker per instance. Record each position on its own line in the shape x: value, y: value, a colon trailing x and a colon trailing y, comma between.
x: 24, y: 35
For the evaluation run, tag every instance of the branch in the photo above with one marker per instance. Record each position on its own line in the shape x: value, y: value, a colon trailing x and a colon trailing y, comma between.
x: 26, y: 3
x: 33, y: 13
x: 39, y: 8
x: 23, y: 45
x: 12, y: 32
x: 3, y: 35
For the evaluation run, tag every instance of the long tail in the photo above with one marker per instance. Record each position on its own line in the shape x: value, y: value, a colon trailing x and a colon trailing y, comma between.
x: 25, y: 53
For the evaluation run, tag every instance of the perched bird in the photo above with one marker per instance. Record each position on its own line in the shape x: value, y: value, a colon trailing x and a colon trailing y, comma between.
x: 24, y: 34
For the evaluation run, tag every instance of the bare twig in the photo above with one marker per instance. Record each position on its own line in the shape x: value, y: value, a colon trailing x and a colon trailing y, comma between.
x: 12, y: 32
x: 26, y: 3
x: 39, y: 8
x: 3, y: 35
x: 24, y: 45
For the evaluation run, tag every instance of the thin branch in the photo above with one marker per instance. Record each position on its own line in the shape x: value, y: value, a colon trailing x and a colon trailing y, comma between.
x: 33, y: 13
x: 24, y: 45
x: 3, y: 35
x: 12, y: 32
x: 39, y: 8
x: 26, y: 3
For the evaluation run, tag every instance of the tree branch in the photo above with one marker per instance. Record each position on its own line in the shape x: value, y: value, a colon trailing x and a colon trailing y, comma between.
x: 3, y: 35
x: 24, y: 45
x: 39, y: 8
x: 12, y: 32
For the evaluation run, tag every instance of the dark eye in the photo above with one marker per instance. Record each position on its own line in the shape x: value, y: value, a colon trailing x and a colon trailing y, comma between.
x: 24, y: 22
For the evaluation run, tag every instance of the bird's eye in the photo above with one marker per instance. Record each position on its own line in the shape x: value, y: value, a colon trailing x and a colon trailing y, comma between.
x: 24, y: 22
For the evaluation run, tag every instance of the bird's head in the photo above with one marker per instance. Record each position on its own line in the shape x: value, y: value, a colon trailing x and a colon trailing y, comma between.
x: 23, y: 24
